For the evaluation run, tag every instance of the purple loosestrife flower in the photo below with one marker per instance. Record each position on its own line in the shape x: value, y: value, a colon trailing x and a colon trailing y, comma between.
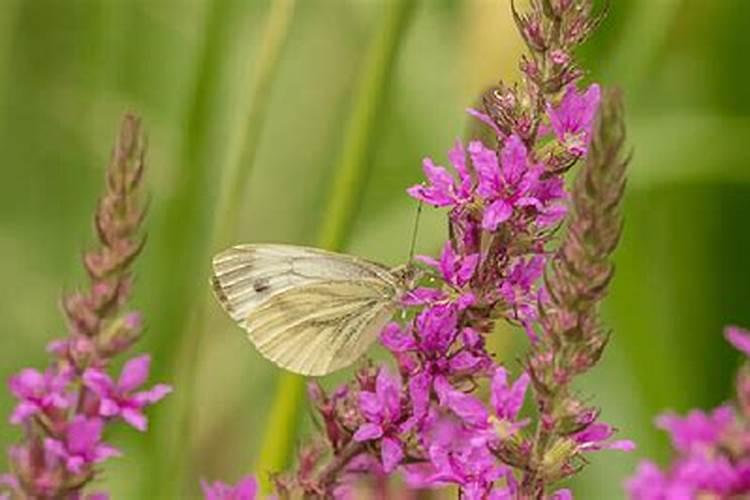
x: 40, y: 393
x: 501, y: 262
x: 713, y: 448
x: 382, y: 409
x: 507, y: 399
x: 245, y: 489
x: 444, y: 190
x: 573, y: 118
x: 511, y: 183
x: 64, y: 410
x: 119, y: 398
x: 81, y: 446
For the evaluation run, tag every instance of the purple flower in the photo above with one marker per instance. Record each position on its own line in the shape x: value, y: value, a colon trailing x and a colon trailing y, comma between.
x: 382, y: 410
x: 573, y: 119
x: 693, y: 476
x: 739, y: 338
x: 39, y: 392
x: 458, y: 455
x: 245, y: 489
x: 519, y: 293
x: 507, y: 399
x: 82, y: 446
x: 596, y: 437
x: 512, y: 183
x: 119, y: 399
x: 455, y: 269
x: 443, y: 189
x: 698, y: 430
x: 465, y: 406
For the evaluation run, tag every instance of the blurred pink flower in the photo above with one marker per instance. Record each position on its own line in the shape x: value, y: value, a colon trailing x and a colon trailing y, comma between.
x: 245, y: 489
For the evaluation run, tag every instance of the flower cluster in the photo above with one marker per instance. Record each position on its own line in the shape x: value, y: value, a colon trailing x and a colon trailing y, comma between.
x: 63, y: 410
x: 713, y: 447
x: 453, y: 415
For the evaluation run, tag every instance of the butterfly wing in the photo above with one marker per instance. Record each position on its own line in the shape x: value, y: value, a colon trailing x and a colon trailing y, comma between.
x: 307, y: 310
x: 319, y: 328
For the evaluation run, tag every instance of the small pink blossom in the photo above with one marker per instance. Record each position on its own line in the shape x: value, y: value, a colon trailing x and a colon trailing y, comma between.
x: 39, y: 392
x: 455, y: 269
x: 507, y: 399
x: 245, y: 489
x: 597, y: 437
x: 120, y: 398
x: 382, y: 409
x: 698, y: 430
x: 739, y: 338
x: 442, y: 188
x: 82, y: 446
x: 573, y: 119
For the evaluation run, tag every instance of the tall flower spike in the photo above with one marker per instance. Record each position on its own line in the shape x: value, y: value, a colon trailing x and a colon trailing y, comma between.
x: 505, y: 201
x: 573, y: 337
x: 66, y: 409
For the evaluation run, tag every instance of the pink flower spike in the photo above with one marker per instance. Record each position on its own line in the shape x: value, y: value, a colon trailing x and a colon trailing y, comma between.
x: 739, y: 338
x: 245, y: 489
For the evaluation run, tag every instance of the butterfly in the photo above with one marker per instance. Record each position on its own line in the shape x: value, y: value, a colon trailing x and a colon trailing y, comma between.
x: 307, y: 310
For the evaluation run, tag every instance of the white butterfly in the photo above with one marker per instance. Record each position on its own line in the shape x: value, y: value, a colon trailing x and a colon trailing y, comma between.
x: 307, y: 310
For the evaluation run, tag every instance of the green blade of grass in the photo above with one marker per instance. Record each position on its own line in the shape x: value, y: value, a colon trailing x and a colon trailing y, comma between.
x: 349, y: 178
x: 176, y: 454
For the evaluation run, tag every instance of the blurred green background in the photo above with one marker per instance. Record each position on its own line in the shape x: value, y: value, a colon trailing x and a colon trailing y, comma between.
x: 68, y: 70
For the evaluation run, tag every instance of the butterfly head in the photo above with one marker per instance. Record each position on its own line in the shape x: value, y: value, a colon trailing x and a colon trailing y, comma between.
x: 408, y: 275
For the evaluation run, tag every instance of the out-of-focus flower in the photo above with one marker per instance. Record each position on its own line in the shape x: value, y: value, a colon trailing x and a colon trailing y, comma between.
x: 713, y: 450
x: 739, y: 338
x: 245, y: 489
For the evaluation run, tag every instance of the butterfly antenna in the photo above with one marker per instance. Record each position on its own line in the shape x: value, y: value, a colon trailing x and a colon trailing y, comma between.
x: 414, y: 233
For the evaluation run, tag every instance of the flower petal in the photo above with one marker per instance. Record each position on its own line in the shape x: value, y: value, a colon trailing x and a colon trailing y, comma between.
x: 391, y: 454
x: 739, y: 338
x: 367, y: 432
x: 134, y: 373
x: 497, y: 213
x: 135, y: 418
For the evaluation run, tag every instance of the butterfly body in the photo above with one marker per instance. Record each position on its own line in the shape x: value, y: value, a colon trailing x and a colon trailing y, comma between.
x: 307, y: 310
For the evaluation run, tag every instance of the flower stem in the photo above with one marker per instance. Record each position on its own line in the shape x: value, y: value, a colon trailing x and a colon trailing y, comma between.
x: 233, y: 189
x: 349, y: 178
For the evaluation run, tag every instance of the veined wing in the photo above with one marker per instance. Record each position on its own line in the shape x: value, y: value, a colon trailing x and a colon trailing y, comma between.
x: 247, y: 275
x: 318, y: 328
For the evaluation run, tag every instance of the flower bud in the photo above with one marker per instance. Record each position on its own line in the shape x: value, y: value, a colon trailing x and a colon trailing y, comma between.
x: 119, y: 335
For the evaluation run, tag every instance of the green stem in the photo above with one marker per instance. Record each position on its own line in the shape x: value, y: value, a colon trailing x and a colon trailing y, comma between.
x: 269, y: 56
x: 343, y: 202
x: 177, y: 451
